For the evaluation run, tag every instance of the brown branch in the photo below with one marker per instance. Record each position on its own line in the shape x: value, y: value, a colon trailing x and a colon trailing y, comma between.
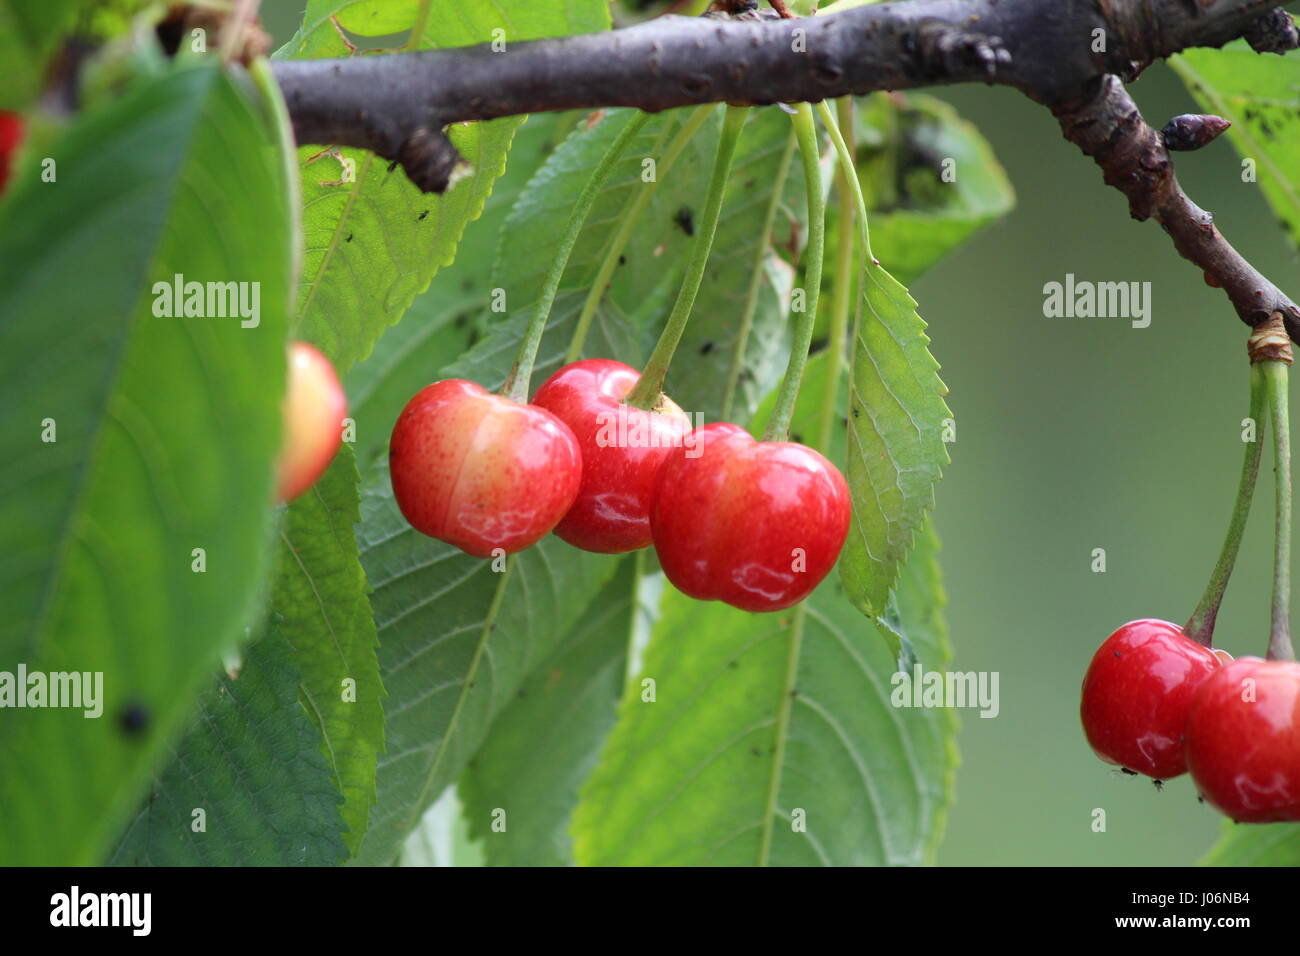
x: 1070, y: 55
x: 1106, y: 124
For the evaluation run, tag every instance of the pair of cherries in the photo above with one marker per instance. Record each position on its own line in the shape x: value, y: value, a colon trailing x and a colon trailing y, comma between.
x: 755, y: 524
x: 1158, y: 703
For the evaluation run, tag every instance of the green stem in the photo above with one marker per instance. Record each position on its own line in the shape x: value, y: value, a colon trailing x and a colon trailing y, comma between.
x: 626, y: 228
x: 516, y: 385
x: 842, y: 290
x: 855, y: 187
x: 648, y: 391
x: 805, y: 130
x: 1201, y: 626
x: 756, y: 281
x: 1279, y: 643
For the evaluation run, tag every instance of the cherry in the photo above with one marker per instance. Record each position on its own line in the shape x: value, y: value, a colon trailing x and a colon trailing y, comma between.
x: 480, y: 471
x: 622, y: 449
x: 11, y: 134
x: 1243, y: 740
x: 754, y: 524
x: 1137, y: 692
x: 314, y: 408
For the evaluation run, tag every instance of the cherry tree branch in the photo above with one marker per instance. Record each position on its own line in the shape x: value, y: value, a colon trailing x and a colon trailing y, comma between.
x: 1073, y: 56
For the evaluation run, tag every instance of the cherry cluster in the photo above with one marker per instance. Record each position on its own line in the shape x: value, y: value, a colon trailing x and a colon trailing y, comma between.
x: 757, y: 524
x: 1158, y: 703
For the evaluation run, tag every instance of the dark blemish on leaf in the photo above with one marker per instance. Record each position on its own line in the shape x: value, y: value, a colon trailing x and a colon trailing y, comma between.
x: 793, y: 692
x: 796, y: 437
x: 685, y: 220
x: 856, y: 412
x: 755, y: 751
x: 349, y: 238
x: 622, y: 260
x: 133, y: 720
x: 420, y: 217
x: 392, y: 166
x: 732, y: 664
x: 706, y: 348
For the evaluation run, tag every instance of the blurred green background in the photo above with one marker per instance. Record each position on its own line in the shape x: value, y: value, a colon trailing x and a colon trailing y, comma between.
x: 1075, y: 434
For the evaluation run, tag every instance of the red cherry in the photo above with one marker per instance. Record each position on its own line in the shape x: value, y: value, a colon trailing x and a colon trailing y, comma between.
x: 11, y: 134
x: 755, y: 524
x: 622, y: 449
x: 480, y: 471
x: 314, y: 408
x: 1243, y: 740
x: 1137, y: 692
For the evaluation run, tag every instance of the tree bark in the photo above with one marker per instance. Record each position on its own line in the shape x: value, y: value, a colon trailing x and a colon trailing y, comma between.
x: 1073, y: 56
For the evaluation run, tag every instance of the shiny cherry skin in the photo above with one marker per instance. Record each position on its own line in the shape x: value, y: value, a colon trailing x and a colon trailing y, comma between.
x: 754, y: 524
x: 1243, y: 740
x: 11, y: 134
x: 480, y: 471
x: 1137, y: 692
x: 622, y: 449
x: 314, y: 407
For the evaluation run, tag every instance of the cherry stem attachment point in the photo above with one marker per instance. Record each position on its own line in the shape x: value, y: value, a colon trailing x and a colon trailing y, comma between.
x: 805, y: 130
x: 1201, y: 626
x: 648, y: 391
x: 517, y: 382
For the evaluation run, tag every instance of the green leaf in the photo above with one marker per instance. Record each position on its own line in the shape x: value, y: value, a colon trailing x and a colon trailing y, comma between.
x: 166, y: 430
x: 746, y: 270
x: 321, y: 634
x: 716, y: 768
x: 649, y: 268
x: 651, y: 262
x: 896, y: 451
x: 1261, y: 96
x: 445, y: 319
x: 458, y: 636
x: 907, y: 144
x: 375, y: 242
x: 544, y: 744
x: 253, y: 765
x: 1271, y: 844
x: 320, y: 606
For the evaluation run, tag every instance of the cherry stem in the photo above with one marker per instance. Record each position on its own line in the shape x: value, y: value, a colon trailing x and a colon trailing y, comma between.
x: 757, y: 277
x: 805, y: 131
x: 1201, y: 626
x: 1279, y: 642
x: 842, y: 289
x: 648, y: 391
x: 517, y: 382
x: 851, y: 178
x: 627, y: 226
